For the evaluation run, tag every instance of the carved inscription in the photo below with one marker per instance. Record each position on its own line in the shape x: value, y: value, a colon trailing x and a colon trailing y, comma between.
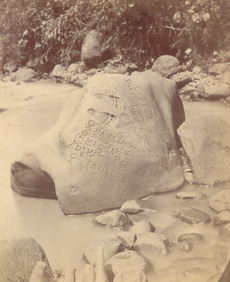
x: 103, y: 150
x: 140, y: 112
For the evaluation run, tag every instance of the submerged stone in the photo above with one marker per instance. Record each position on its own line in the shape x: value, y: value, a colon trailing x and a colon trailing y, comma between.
x: 193, y: 216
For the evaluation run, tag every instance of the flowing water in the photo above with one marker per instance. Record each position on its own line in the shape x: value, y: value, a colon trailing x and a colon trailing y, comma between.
x: 28, y: 111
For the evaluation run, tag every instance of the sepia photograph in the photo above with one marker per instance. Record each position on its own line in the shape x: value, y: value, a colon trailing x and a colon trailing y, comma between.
x: 114, y: 140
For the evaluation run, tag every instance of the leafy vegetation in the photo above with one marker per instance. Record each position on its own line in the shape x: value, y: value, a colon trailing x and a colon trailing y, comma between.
x: 51, y: 31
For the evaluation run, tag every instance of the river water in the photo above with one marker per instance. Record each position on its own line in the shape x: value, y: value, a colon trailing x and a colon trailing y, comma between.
x: 31, y: 110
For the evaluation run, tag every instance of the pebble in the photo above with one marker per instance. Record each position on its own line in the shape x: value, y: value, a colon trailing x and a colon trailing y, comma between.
x: 193, y: 216
x: 190, y: 195
x: 131, y: 207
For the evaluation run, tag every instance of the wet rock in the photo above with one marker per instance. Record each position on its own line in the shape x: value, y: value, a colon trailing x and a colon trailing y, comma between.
x: 110, y: 247
x: 131, y: 207
x: 211, y: 88
x: 127, y: 238
x: 220, y: 201
x: 206, y: 141
x: 18, y: 258
x: 149, y: 243
x: 222, y: 218
x: 193, y: 216
x: 190, y: 195
x: 133, y: 274
x: 142, y: 227
x: 191, y: 237
x: 225, y: 231
x: 122, y: 261
x: 167, y: 65
x: 97, y: 147
x: 92, y: 49
x: 115, y: 218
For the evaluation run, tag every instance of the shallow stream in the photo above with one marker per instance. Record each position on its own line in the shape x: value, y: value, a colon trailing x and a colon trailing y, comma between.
x: 30, y: 111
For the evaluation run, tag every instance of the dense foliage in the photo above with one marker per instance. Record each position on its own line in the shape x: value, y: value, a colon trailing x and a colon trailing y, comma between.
x: 52, y: 31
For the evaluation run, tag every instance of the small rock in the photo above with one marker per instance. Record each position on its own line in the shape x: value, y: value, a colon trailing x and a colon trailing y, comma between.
x: 76, y: 68
x: 10, y: 67
x: 188, y: 51
x: 132, y: 274
x: 220, y: 201
x: 150, y: 243
x: 222, y: 218
x: 190, y: 195
x: 110, y: 247
x: 196, y: 70
x: 212, y: 88
x: 225, y: 231
x: 131, y: 207
x: 127, y: 238
x: 115, y: 218
x: 191, y: 237
x: 142, y: 227
x: 193, y: 216
x: 124, y: 260
x: 59, y: 71
x: 167, y: 65
x: 24, y: 75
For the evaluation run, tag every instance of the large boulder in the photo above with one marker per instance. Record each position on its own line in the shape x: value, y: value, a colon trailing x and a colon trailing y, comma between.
x: 118, y: 143
x: 206, y: 141
x: 18, y: 258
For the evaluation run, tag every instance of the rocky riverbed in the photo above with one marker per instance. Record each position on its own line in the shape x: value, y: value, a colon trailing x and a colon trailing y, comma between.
x: 189, y: 241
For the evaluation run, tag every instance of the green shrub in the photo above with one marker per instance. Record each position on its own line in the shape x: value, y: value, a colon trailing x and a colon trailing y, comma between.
x: 52, y: 31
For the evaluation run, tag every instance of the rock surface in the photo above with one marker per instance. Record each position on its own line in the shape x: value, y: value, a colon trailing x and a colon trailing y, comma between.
x: 124, y: 260
x: 166, y: 65
x: 222, y: 218
x: 190, y: 195
x: 131, y: 207
x: 110, y: 247
x: 142, y: 227
x: 206, y: 141
x: 103, y: 150
x: 193, y: 216
x: 212, y: 88
x: 18, y: 258
x: 92, y: 49
x: 150, y: 243
x: 24, y: 75
x: 115, y: 218
x: 221, y: 201
x: 127, y: 238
